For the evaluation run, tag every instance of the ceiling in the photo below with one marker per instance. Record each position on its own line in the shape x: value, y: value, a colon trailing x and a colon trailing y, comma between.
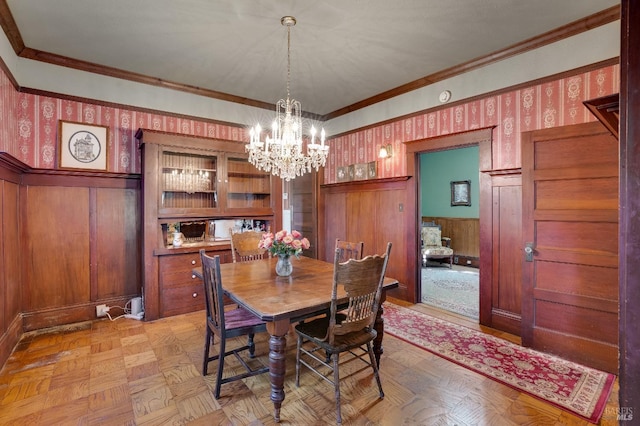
x: 343, y: 53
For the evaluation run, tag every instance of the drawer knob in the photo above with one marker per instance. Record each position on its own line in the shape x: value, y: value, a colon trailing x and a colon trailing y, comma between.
x: 194, y: 295
x: 193, y: 262
x: 193, y: 277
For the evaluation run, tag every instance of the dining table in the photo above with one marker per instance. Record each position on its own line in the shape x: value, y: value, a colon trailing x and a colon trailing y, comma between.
x: 280, y: 301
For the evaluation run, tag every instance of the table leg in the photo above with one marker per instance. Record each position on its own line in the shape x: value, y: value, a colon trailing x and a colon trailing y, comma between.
x: 277, y: 367
x: 379, y: 327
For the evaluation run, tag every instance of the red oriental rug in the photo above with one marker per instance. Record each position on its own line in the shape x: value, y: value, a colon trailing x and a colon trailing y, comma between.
x: 580, y: 390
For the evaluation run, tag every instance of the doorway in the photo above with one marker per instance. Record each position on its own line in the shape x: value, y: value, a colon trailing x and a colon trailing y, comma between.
x: 450, y: 284
x: 483, y: 139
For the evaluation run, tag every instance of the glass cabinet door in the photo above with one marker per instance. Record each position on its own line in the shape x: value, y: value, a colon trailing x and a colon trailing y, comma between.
x: 247, y: 187
x: 188, y: 181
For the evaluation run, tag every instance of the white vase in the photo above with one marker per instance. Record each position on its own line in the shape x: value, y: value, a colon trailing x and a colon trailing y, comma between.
x: 178, y: 239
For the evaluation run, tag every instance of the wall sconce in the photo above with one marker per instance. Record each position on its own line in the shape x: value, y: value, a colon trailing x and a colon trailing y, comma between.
x: 386, y: 151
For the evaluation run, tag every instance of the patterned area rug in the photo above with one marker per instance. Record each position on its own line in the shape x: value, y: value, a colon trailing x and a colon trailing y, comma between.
x: 580, y: 390
x: 453, y: 290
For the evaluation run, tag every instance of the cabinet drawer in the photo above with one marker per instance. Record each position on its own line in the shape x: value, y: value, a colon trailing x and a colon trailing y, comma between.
x: 180, y: 300
x: 175, y: 271
x: 179, y: 262
x: 178, y: 278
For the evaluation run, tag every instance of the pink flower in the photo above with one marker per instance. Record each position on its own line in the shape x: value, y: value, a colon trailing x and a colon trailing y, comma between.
x: 305, y: 244
x: 265, y: 243
x: 284, y: 243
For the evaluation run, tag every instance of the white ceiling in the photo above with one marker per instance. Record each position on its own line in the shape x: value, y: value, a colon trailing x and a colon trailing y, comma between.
x: 342, y: 51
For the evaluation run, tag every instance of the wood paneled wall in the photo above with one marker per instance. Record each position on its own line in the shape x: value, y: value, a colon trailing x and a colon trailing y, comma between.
x: 70, y: 240
x: 10, y: 279
x: 373, y: 212
x: 84, y: 251
x: 464, y: 234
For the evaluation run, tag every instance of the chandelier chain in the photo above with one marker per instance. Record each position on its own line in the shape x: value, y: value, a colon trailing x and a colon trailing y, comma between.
x: 288, y: 59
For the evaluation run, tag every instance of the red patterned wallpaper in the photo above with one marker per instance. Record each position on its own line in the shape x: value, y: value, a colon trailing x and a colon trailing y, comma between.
x: 29, y: 127
x: 558, y: 103
x: 29, y: 124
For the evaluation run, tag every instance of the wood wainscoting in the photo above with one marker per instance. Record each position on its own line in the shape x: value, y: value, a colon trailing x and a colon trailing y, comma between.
x: 80, y: 244
x: 465, y: 238
x: 372, y: 211
x: 69, y: 240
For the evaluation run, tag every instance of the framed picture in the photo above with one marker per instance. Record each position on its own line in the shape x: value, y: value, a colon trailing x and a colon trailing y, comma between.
x: 372, y: 169
x: 342, y: 174
x: 360, y: 171
x: 461, y: 193
x: 82, y: 146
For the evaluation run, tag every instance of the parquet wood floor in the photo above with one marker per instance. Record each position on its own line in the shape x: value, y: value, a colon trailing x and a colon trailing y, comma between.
x: 128, y: 372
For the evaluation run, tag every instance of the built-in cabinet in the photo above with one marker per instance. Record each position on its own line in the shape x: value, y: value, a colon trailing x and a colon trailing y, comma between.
x: 199, y: 184
x: 199, y: 187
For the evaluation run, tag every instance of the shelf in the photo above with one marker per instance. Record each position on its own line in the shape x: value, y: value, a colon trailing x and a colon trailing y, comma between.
x: 182, y: 191
x: 248, y: 174
x: 169, y: 169
x: 259, y: 194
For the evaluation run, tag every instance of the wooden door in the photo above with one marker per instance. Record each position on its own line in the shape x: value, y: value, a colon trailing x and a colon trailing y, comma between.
x: 570, y: 219
x: 303, y: 206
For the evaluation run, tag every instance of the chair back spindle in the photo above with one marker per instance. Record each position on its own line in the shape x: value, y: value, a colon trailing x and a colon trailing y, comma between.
x: 349, y: 250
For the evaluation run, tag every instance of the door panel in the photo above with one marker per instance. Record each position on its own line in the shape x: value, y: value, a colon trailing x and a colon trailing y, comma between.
x: 58, y: 255
x: 570, y: 215
x: 303, y: 207
x: 501, y: 302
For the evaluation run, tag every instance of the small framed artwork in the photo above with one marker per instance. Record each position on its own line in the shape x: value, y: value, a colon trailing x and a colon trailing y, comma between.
x: 360, y: 171
x: 342, y: 174
x: 352, y: 171
x: 461, y: 193
x: 82, y: 146
x: 372, y: 169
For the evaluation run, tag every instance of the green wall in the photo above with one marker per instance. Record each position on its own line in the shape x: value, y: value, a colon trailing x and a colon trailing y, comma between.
x: 437, y: 170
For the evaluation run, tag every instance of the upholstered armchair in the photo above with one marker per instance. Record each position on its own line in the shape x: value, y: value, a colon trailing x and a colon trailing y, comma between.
x: 434, y: 245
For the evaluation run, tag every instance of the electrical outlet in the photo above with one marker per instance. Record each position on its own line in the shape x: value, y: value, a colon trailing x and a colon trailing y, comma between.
x: 101, y: 310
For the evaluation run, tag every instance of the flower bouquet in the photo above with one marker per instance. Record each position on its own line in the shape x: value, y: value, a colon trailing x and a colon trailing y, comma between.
x: 284, y: 243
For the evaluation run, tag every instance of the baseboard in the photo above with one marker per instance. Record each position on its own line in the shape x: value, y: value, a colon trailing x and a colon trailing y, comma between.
x: 10, y: 338
x: 68, y: 314
x: 470, y: 261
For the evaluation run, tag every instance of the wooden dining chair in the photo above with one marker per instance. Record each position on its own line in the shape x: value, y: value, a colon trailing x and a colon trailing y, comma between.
x: 226, y: 325
x: 362, y: 281
x: 244, y: 246
x: 349, y: 250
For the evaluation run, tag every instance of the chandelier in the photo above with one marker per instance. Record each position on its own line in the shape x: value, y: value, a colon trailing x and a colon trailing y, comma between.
x: 282, y: 154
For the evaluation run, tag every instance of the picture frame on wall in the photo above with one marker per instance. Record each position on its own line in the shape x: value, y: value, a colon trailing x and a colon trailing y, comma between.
x: 82, y: 146
x: 372, y: 169
x: 360, y: 171
x: 342, y: 174
x: 461, y: 193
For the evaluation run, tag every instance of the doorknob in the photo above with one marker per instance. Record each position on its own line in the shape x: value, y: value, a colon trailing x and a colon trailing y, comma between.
x: 528, y: 252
